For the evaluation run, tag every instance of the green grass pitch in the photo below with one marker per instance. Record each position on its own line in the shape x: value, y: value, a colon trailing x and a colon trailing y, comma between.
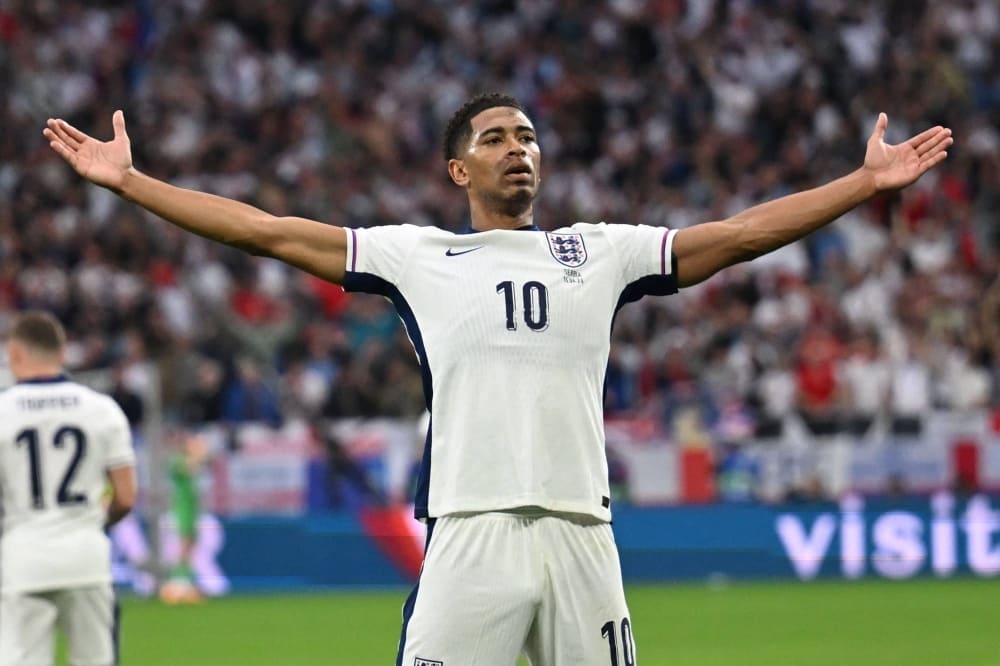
x: 881, y: 623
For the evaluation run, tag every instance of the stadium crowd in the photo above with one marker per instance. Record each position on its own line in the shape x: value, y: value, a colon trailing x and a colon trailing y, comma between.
x: 660, y: 112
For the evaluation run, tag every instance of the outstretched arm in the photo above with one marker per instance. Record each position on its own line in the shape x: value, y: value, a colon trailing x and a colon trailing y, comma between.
x: 314, y: 247
x: 704, y: 249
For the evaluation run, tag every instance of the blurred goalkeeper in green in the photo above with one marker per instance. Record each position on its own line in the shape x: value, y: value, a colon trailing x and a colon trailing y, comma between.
x: 185, y: 508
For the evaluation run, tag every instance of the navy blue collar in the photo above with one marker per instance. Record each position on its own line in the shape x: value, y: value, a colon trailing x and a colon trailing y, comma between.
x: 45, y: 380
x: 527, y: 227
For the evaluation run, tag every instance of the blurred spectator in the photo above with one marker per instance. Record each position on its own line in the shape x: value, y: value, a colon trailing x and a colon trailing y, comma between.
x: 130, y: 401
x: 203, y: 402
x: 402, y: 394
x: 248, y: 397
x: 353, y: 395
x: 259, y: 315
x: 866, y: 375
x: 303, y: 391
x: 775, y: 396
x: 911, y: 391
x: 964, y: 385
x: 931, y: 247
x: 818, y: 387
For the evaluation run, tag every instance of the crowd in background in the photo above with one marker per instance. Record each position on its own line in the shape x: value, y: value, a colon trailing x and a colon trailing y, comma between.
x: 660, y: 112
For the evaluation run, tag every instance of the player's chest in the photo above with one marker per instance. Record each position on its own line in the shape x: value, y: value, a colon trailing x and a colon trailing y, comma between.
x: 556, y: 284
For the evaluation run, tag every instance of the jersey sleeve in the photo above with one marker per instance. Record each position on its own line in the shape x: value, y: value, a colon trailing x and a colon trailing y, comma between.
x: 377, y: 256
x: 648, y: 263
x: 118, y: 438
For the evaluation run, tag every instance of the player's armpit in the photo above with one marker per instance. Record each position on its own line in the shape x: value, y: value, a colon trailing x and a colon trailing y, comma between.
x: 317, y: 248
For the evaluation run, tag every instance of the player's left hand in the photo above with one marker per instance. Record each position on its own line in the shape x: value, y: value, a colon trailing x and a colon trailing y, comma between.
x: 897, y: 166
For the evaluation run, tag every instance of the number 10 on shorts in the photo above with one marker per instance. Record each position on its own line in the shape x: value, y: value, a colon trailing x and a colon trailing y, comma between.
x: 608, y: 631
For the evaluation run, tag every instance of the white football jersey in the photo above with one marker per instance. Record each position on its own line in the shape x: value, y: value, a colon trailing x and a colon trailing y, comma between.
x: 57, y: 441
x: 512, y: 329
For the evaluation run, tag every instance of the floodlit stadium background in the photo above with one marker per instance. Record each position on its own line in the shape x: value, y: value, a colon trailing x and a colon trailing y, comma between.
x: 829, y: 411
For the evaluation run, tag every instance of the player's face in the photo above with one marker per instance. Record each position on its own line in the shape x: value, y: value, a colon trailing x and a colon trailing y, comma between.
x: 502, y: 161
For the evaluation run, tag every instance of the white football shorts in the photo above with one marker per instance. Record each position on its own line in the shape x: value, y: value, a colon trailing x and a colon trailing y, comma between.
x: 496, y: 585
x: 84, y: 615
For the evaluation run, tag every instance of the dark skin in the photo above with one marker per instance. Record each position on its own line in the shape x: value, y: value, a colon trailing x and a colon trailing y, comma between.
x: 500, y: 171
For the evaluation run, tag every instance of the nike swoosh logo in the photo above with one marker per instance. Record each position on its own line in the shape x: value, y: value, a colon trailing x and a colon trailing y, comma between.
x: 450, y: 253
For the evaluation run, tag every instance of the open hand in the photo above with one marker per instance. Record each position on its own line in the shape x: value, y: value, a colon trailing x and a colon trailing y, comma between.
x: 897, y: 166
x: 104, y: 163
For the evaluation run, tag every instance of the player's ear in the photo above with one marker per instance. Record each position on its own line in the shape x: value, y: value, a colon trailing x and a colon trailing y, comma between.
x: 15, y: 353
x: 456, y: 169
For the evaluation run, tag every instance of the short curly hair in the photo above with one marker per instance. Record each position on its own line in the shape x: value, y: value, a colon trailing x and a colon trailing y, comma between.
x: 459, y: 128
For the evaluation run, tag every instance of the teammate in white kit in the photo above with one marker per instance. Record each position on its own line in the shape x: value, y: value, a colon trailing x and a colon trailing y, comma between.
x: 512, y: 326
x: 61, y: 445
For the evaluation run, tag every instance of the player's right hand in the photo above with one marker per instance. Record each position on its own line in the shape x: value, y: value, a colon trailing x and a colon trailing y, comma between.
x: 104, y: 163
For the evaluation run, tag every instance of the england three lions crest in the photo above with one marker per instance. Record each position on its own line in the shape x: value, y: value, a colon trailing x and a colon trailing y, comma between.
x: 568, y: 249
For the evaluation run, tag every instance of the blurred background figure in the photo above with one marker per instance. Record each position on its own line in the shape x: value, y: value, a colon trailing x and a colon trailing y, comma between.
x: 185, y: 466
x: 67, y: 474
x: 249, y: 398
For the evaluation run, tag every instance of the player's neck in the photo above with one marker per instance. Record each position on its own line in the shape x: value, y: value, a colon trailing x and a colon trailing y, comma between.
x: 487, y: 220
x: 35, y: 372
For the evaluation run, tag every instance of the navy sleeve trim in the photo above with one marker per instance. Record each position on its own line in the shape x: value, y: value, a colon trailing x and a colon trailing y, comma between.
x: 650, y: 285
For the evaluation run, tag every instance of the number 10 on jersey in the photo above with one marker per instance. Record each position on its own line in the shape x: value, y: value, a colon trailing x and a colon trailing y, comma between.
x: 535, y: 300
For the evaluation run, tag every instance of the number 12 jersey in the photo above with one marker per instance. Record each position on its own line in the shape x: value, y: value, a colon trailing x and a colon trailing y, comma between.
x: 57, y: 441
